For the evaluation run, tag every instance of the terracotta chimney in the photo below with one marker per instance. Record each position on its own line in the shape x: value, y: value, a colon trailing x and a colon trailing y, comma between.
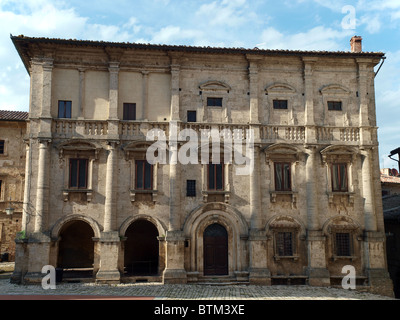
x: 356, y: 44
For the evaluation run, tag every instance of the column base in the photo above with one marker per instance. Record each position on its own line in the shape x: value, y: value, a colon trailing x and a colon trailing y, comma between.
x: 318, y: 277
x: 380, y: 282
x: 260, y: 276
x: 174, y: 276
x: 108, y: 277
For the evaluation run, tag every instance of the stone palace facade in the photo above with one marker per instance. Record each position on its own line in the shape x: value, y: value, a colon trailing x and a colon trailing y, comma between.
x: 93, y: 202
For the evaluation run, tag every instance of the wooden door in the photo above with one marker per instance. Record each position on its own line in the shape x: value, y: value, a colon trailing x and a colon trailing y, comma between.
x: 215, y: 250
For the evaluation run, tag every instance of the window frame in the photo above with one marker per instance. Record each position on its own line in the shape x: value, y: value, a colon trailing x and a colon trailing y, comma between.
x: 339, y: 182
x: 190, y: 189
x: 277, y: 104
x: 222, y: 174
x: 283, y: 164
x: 291, y: 241
x: 349, y: 245
x: 127, y: 111
x: 66, y: 103
x: 214, y: 101
x: 2, y: 147
x: 189, y: 118
x: 143, y: 162
x: 79, y: 160
x: 335, y: 105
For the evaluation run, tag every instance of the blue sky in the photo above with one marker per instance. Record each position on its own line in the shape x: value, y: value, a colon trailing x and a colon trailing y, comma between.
x: 266, y: 24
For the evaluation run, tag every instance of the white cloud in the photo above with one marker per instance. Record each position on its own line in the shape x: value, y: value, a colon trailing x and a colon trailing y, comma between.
x: 318, y: 38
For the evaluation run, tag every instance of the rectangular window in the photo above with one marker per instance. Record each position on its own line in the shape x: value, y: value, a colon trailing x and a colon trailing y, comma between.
x: 282, y: 177
x: 1, y: 146
x: 190, y: 188
x: 335, y: 105
x: 215, y: 176
x: 78, y: 173
x: 343, y: 244
x: 64, y: 109
x: 129, y: 111
x: 339, y: 177
x: 144, y: 175
x: 284, y: 243
x: 280, y: 104
x: 214, y: 102
x: 191, y: 116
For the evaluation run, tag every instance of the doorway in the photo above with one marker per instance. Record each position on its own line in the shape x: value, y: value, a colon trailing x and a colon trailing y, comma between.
x: 141, y: 253
x: 215, y: 239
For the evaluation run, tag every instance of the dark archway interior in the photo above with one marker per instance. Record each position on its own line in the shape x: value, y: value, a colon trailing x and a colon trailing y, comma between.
x: 141, y: 249
x: 76, y: 247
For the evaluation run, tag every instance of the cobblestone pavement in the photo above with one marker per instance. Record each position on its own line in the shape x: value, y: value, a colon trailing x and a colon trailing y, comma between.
x: 187, y: 292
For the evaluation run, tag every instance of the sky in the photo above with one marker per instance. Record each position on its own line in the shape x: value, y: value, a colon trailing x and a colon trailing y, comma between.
x: 266, y: 24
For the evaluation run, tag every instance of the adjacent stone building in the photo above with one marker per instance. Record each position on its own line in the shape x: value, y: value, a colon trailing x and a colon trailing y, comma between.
x: 306, y: 120
x: 13, y: 128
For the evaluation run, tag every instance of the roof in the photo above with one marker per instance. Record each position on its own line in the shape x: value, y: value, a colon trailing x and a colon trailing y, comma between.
x: 22, y: 42
x: 6, y: 115
x: 389, y: 179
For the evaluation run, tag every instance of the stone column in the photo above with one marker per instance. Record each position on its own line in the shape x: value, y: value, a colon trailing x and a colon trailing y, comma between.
x: 145, y: 94
x: 110, y: 203
x: 81, y: 112
x: 259, y: 273
x: 309, y: 99
x: 109, y: 242
x: 317, y: 271
x: 253, y: 88
x: 42, y: 186
x: 27, y: 188
x: 174, y: 270
x: 374, y: 237
x: 175, y: 71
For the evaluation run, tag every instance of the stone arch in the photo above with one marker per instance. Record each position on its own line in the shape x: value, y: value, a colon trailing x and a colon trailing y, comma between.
x: 280, y: 87
x: 162, y: 229
x: 341, y: 222
x: 55, y: 230
x: 235, y: 225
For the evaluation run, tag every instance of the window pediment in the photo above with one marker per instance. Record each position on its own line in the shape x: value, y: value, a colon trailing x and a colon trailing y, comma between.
x: 81, y: 147
x: 333, y: 154
x: 334, y: 89
x: 214, y: 86
x: 280, y: 88
x: 282, y: 152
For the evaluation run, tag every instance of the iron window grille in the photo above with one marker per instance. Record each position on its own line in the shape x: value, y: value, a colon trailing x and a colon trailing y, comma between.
x: 343, y: 244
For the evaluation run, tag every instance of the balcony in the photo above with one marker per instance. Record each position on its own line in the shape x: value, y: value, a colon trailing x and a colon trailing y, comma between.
x: 137, y: 130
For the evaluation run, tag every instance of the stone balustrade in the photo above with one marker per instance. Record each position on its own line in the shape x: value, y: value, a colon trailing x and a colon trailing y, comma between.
x: 68, y: 128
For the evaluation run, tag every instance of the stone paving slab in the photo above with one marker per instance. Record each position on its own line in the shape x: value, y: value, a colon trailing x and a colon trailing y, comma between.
x: 185, y: 292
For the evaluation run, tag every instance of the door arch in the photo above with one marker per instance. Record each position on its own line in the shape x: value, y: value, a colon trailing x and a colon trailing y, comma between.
x: 76, y: 246
x: 215, y: 246
x: 141, y: 249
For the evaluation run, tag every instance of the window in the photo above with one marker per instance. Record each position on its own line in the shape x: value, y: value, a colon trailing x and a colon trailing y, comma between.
x: 190, y: 188
x: 144, y: 174
x: 215, y: 176
x: 284, y: 243
x: 335, y: 105
x: 78, y: 169
x: 129, y: 111
x: 64, y: 109
x: 214, y: 102
x: 1, y: 146
x: 339, y: 177
x: 282, y: 177
x: 343, y: 244
x: 280, y: 104
x: 191, y: 116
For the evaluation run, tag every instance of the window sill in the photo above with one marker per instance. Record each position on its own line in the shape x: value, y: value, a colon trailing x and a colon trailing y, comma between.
x: 349, y: 195
x: 88, y: 192
x: 351, y: 258
x: 294, y: 258
x: 134, y: 192
x: 275, y: 194
x: 225, y: 193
